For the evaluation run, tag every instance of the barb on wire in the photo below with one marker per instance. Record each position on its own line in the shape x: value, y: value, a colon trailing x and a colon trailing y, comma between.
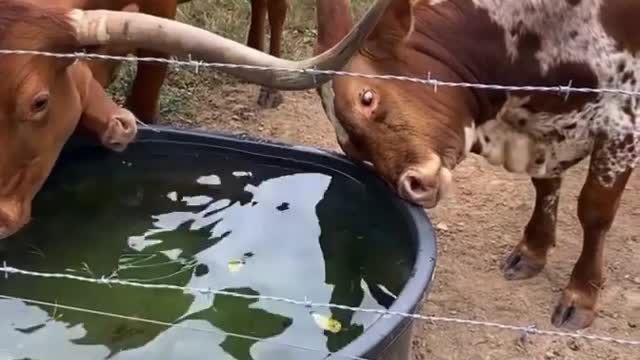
x: 168, y: 324
x: 306, y: 302
x: 429, y: 81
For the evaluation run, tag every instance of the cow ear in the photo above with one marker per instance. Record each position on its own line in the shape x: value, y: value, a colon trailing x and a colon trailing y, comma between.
x: 394, y: 24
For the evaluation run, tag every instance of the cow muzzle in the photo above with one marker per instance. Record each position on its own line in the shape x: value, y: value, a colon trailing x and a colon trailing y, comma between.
x: 425, y: 184
x: 9, y: 225
x: 121, y: 131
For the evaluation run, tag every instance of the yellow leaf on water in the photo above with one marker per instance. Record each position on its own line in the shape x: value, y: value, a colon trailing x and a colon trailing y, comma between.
x: 327, y: 323
x: 235, y: 265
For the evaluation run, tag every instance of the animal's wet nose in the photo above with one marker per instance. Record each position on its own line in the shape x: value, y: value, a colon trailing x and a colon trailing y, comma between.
x: 425, y: 184
x: 419, y: 187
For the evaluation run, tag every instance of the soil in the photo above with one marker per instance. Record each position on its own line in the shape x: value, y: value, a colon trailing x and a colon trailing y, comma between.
x: 477, y: 227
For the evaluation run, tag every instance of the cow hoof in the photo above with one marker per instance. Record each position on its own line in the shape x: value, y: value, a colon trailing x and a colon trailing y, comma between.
x: 270, y: 98
x: 572, y: 315
x: 519, y: 265
x: 121, y: 131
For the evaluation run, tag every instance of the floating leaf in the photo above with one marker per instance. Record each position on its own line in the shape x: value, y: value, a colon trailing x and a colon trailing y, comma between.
x: 235, y: 265
x: 327, y: 323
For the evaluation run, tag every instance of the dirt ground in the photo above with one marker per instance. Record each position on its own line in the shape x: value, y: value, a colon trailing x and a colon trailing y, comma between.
x: 477, y: 227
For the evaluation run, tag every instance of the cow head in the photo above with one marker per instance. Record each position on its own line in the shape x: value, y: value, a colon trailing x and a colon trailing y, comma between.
x: 412, y: 134
x: 41, y: 101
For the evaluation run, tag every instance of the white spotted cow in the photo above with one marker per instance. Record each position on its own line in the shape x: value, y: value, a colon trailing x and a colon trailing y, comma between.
x: 414, y: 136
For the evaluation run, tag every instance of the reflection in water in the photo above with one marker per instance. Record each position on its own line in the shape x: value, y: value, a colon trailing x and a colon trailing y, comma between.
x: 205, y: 221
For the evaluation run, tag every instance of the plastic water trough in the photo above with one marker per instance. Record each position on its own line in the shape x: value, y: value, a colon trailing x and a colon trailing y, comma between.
x: 388, y: 337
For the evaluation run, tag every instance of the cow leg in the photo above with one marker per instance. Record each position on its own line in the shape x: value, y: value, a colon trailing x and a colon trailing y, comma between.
x: 115, y: 127
x: 256, y: 29
x: 529, y: 257
x: 597, y: 207
x: 143, y: 100
x: 277, y: 10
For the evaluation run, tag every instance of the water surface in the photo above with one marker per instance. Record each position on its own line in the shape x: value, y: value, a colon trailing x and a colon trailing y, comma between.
x: 161, y: 214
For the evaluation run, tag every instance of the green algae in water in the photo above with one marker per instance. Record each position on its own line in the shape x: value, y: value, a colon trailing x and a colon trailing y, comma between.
x: 161, y: 215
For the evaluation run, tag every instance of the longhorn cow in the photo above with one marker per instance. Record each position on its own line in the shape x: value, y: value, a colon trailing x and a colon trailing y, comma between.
x: 414, y: 136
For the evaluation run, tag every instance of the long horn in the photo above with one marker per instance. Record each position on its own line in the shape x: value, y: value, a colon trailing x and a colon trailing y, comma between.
x: 103, y: 27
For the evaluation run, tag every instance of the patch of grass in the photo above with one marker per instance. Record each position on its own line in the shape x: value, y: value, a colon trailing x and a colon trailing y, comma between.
x: 231, y: 19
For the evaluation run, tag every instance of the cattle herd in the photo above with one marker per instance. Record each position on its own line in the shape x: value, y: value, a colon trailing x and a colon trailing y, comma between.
x: 411, y: 135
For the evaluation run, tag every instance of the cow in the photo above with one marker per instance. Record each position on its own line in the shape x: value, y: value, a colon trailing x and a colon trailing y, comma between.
x: 413, y: 136
x: 44, y: 99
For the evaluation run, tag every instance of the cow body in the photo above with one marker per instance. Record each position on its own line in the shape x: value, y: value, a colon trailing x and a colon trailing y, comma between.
x: 415, y: 136
x: 575, y: 43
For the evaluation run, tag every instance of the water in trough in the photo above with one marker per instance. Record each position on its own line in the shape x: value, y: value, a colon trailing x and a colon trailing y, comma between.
x: 160, y: 214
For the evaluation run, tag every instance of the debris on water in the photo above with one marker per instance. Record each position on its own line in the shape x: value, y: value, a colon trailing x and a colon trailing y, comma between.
x: 327, y: 323
x: 173, y: 196
x: 235, y: 265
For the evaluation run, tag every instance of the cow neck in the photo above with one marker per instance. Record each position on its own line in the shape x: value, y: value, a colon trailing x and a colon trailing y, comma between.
x: 464, y: 38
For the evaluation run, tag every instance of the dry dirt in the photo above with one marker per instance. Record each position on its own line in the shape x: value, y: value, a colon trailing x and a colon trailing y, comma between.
x: 479, y: 224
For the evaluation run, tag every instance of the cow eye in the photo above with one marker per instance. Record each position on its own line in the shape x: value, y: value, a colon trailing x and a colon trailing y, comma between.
x: 366, y: 98
x: 40, y: 103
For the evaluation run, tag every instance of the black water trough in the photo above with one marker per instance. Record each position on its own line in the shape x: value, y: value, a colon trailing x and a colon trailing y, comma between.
x: 365, y: 234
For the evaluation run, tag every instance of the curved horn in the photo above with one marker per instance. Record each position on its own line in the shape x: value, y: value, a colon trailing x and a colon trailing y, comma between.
x: 103, y: 27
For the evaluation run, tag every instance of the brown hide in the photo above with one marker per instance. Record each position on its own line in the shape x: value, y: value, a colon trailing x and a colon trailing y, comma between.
x: 43, y: 99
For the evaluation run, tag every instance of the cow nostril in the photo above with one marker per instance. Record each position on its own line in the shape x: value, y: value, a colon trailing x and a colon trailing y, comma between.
x: 124, y: 124
x: 415, y: 185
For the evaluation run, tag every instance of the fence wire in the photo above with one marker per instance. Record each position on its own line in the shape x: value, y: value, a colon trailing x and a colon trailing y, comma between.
x: 182, y: 326
x: 563, y: 90
x: 529, y: 330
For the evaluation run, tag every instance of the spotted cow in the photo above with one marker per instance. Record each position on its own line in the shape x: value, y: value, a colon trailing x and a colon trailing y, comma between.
x: 414, y: 136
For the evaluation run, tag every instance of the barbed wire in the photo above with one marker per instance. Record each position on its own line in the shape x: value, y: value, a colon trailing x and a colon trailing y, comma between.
x: 529, y: 330
x: 563, y: 90
x: 183, y: 326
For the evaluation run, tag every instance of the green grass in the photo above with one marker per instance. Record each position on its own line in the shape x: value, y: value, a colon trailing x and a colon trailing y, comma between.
x: 231, y: 19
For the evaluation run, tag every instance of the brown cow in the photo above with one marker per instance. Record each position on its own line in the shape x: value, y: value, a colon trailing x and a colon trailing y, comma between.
x: 414, y: 136
x: 43, y: 98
